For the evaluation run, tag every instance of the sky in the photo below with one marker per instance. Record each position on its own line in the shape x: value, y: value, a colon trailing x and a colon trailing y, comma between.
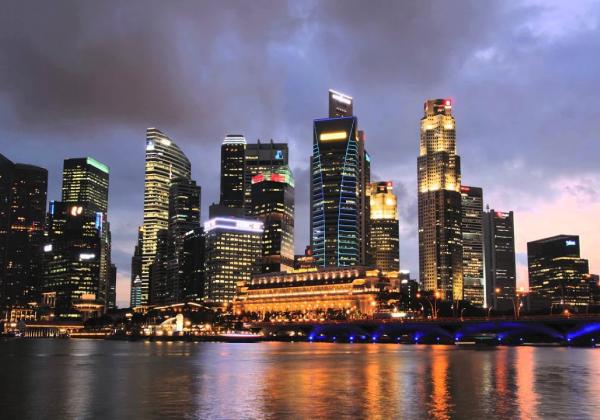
x: 86, y: 78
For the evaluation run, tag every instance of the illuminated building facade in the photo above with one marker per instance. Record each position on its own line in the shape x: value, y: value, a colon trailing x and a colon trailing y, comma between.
x: 272, y: 195
x: 6, y: 183
x: 135, y: 298
x: 72, y: 256
x: 233, y: 249
x: 164, y: 163
x: 351, y: 289
x: 261, y: 157
x: 340, y: 170
x: 439, y: 202
x: 85, y: 183
x: 472, y: 238
x: 384, y: 236
x: 557, y: 272
x: 22, y: 218
x: 500, y: 266
x: 233, y: 153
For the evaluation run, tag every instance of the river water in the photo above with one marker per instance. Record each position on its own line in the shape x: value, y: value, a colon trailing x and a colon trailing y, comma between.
x: 63, y: 379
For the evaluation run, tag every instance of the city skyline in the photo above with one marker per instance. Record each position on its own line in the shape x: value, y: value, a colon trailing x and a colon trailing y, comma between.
x: 520, y: 163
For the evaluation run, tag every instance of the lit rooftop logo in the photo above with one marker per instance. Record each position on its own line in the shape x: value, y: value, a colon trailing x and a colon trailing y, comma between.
x: 570, y: 243
x: 340, y: 97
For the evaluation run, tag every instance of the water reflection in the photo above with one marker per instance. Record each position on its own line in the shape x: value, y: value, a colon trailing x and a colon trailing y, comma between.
x: 103, y: 379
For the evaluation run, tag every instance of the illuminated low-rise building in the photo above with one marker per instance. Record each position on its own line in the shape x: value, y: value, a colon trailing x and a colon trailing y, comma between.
x: 319, y: 289
x: 233, y: 249
x: 557, y: 272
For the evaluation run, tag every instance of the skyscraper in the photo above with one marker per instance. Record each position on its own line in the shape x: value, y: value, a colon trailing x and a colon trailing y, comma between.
x: 339, y: 179
x: 135, y: 299
x: 500, y: 267
x: 23, y: 232
x: 472, y: 237
x: 6, y: 182
x: 261, y: 157
x: 439, y: 201
x: 233, y: 248
x: 272, y: 195
x: 72, y: 256
x: 233, y: 151
x: 164, y: 163
x: 184, y: 216
x: 557, y: 271
x: 385, y: 235
x: 193, y: 270
x: 85, y: 183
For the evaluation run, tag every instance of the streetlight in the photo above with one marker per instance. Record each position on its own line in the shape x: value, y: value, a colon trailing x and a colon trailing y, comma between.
x: 433, y: 305
x: 461, y: 314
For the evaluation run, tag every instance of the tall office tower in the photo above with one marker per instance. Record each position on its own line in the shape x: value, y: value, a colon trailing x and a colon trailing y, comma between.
x: 233, y: 248
x: 472, y: 237
x: 6, y: 181
x: 158, y: 290
x: 184, y: 216
x: 385, y: 229
x: 22, y: 277
x: 85, y: 184
x: 164, y: 163
x: 273, y: 204
x: 261, y: 157
x: 233, y: 152
x: 500, y: 266
x: 135, y: 297
x: 111, y: 301
x: 193, y: 272
x: 557, y: 272
x: 339, y: 179
x: 72, y: 256
x: 340, y: 105
x: 439, y: 200
x: 364, y: 202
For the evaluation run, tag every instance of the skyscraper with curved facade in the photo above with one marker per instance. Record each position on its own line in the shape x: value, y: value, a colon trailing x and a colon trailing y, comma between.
x: 165, y: 162
x: 439, y: 201
x: 340, y: 173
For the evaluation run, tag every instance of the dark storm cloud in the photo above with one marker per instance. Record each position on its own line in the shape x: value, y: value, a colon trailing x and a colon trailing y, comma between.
x: 87, y: 78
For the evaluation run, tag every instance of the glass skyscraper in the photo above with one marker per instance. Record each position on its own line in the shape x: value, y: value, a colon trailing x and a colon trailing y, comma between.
x: 500, y: 266
x: 472, y: 236
x: 23, y: 191
x: 164, y: 163
x: 233, y: 155
x: 339, y: 180
x: 439, y: 202
x: 78, y: 262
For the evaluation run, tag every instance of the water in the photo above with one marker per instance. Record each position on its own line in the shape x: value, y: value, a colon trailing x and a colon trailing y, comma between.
x: 61, y: 379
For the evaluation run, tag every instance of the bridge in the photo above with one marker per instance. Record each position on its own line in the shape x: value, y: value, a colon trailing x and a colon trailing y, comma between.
x: 580, y: 330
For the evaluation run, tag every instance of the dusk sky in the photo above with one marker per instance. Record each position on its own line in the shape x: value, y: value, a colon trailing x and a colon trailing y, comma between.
x: 86, y: 78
